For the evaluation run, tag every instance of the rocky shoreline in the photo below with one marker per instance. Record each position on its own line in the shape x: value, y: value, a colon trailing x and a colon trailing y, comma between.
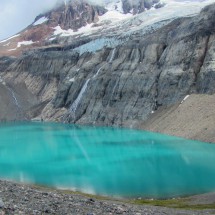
x: 27, y: 199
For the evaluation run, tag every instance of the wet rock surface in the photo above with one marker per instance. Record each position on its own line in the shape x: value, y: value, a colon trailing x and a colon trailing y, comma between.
x: 25, y: 199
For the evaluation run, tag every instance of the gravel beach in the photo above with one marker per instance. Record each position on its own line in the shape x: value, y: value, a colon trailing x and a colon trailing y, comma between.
x: 27, y: 199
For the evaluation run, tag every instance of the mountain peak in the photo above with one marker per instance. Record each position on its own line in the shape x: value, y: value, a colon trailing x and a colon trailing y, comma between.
x: 73, y: 15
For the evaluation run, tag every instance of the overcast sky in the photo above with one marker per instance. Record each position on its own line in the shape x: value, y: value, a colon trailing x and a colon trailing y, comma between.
x: 17, y: 14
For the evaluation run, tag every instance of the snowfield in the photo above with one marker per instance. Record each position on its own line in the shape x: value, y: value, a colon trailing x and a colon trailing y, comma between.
x: 25, y: 43
x: 65, y: 33
x: 19, y: 44
x: 114, y: 21
x: 153, y: 19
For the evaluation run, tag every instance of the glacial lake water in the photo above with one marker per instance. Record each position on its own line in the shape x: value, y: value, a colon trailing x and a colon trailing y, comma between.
x: 105, y: 161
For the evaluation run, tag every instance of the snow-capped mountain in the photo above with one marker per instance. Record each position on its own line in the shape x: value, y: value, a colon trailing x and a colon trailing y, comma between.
x: 74, y: 19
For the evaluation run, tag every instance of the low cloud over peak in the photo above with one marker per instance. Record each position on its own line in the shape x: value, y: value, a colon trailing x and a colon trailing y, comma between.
x: 16, y: 15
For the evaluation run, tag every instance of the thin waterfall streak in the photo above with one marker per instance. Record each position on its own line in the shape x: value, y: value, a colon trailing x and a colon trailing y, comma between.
x: 112, y: 55
x: 14, y: 97
x: 75, y: 104
x: 18, y: 106
x: 78, y: 99
x: 98, y: 71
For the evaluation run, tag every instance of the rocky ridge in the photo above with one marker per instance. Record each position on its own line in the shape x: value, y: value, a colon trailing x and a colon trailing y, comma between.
x: 118, y: 81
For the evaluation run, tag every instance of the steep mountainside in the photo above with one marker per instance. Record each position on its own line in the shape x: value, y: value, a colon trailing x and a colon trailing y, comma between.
x: 72, y: 18
x: 122, y: 79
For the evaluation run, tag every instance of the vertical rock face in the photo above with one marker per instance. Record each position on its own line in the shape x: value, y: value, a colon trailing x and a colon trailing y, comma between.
x: 121, y: 84
x: 5, y: 62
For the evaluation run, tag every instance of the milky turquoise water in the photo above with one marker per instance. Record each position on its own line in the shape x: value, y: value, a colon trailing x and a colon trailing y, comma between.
x: 106, y: 161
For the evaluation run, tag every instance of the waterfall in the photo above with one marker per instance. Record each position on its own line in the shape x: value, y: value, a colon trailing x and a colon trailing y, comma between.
x: 97, y: 72
x: 14, y: 97
x: 80, y: 95
x: 75, y: 104
x: 19, y: 111
x: 78, y: 99
x: 11, y: 91
x: 112, y: 55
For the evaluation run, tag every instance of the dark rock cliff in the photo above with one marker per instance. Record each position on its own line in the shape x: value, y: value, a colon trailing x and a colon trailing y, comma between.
x: 5, y: 62
x: 123, y: 85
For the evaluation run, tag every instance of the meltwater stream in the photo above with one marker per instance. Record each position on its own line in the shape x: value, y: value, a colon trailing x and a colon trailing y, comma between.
x: 106, y: 161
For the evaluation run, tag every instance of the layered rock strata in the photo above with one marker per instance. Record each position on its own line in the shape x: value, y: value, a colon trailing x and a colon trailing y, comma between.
x: 121, y: 85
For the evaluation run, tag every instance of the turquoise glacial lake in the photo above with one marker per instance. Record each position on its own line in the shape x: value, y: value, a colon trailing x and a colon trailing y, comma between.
x: 105, y: 161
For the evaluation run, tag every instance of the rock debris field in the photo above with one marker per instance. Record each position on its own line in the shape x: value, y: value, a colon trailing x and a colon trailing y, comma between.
x: 26, y: 199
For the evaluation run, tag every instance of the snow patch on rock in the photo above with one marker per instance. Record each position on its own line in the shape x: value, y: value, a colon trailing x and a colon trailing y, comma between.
x: 11, y: 50
x: 25, y: 43
x: 19, y: 44
x: 53, y: 38
x: 185, y: 98
x: 9, y: 38
x: 71, y: 80
x: 65, y: 33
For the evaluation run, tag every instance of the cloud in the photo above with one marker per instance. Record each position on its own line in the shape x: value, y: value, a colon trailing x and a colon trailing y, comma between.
x: 18, y: 14
x: 15, y: 15
x: 97, y: 2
